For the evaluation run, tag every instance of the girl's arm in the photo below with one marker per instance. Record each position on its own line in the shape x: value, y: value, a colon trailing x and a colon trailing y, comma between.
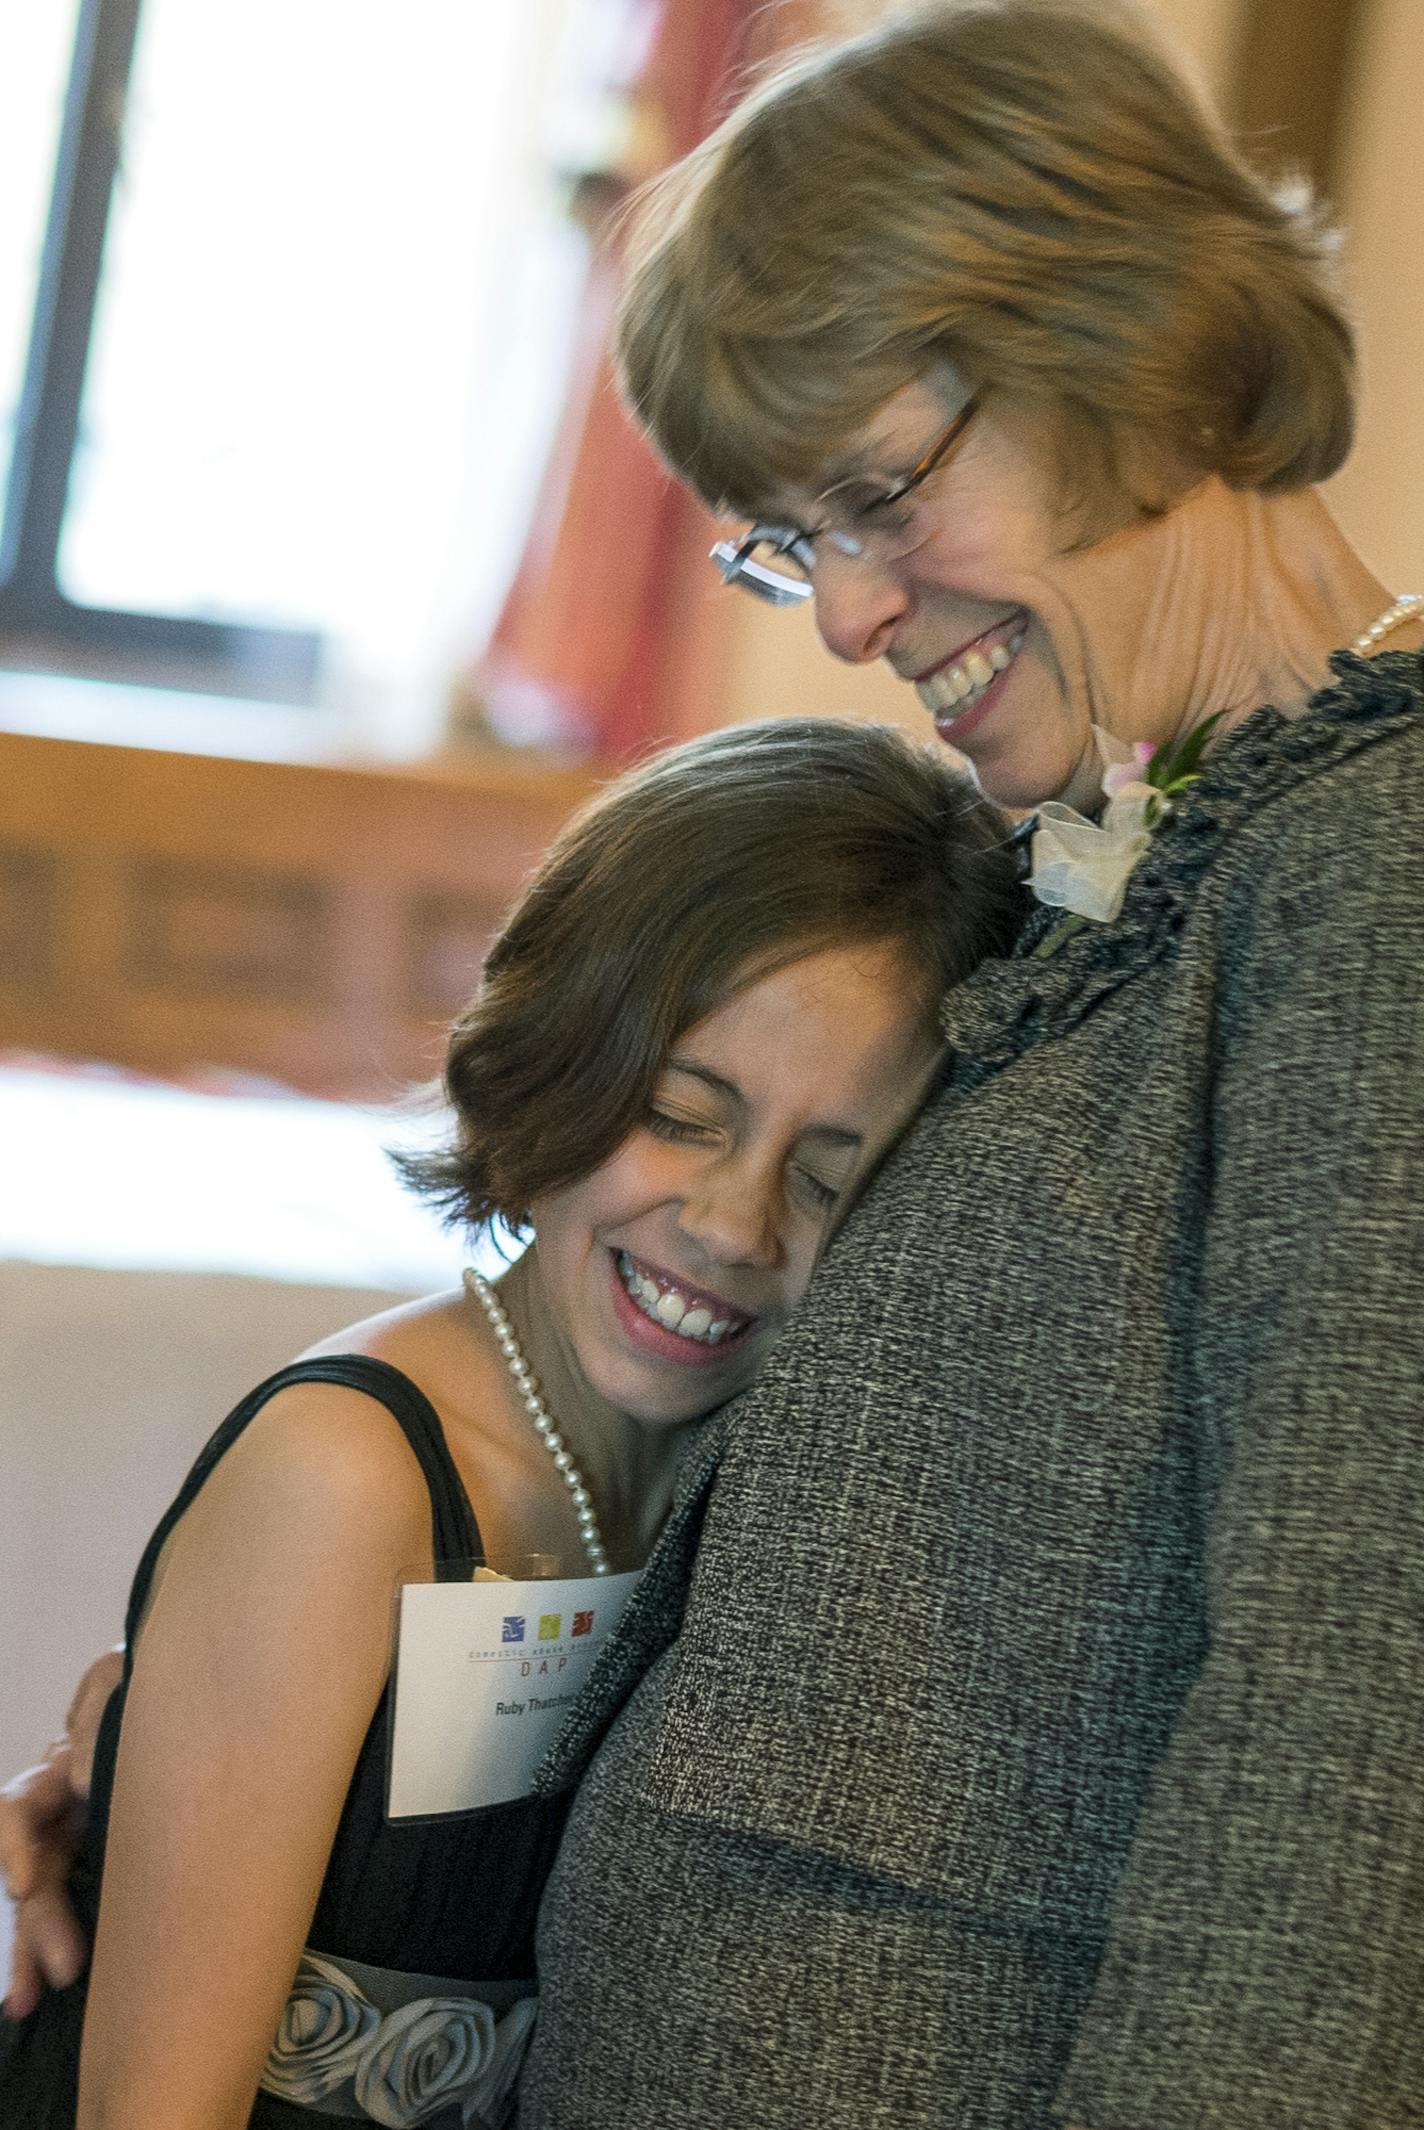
x: 259, y: 1665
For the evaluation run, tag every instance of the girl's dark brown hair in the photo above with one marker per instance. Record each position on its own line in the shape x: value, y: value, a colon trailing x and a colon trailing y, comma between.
x: 700, y: 871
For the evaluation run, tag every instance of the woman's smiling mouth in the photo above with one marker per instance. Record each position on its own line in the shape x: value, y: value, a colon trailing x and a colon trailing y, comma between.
x: 673, y: 1317
x: 953, y: 690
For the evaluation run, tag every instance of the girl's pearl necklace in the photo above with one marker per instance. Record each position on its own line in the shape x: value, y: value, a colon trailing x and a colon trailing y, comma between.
x: 1405, y: 609
x: 544, y: 1426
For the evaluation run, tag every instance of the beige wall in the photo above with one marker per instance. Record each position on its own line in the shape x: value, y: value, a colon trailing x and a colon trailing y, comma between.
x: 775, y: 662
x: 1204, y: 30
x: 1380, y: 494
x: 1202, y: 25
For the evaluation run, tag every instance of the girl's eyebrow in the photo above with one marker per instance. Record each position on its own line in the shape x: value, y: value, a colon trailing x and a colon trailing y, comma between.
x: 835, y: 1134
x: 715, y: 1080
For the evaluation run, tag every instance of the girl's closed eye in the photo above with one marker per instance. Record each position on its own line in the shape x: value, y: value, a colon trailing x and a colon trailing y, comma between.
x: 818, y: 1191
x: 680, y: 1130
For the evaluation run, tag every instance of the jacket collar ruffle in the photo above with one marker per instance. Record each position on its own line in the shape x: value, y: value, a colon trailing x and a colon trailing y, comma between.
x: 1007, y: 1006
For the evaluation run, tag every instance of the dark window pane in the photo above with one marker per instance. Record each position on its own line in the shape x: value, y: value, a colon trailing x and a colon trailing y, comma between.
x: 36, y: 44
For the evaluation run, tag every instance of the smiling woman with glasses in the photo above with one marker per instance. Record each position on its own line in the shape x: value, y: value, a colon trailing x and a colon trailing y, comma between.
x: 1029, y: 1742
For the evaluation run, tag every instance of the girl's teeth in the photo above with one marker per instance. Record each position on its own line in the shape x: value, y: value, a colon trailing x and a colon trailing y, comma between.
x: 670, y: 1309
x: 977, y: 666
x: 1000, y: 657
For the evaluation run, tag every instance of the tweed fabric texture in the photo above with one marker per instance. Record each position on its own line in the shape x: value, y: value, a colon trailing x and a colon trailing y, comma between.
x: 1042, y: 1738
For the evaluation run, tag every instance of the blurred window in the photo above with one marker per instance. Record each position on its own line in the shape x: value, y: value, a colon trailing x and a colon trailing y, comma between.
x: 37, y: 44
x: 284, y: 310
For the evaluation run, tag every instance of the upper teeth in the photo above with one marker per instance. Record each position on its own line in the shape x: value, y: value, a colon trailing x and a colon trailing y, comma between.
x: 968, y: 677
x: 690, y: 1320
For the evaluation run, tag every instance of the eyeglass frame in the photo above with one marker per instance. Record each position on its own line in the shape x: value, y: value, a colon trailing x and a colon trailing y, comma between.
x: 734, y: 558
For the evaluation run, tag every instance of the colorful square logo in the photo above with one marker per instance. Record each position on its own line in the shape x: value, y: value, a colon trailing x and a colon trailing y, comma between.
x: 550, y: 1624
x: 513, y: 1628
x: 583, y: 1623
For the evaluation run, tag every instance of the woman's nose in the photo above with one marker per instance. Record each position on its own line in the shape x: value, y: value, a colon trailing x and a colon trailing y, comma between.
x: 858, y: 606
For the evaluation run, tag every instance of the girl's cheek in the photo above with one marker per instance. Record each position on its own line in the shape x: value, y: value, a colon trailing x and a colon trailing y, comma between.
x: 656, y: 1169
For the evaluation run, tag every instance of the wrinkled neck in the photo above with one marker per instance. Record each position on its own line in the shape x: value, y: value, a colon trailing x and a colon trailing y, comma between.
x: 1223, y: 603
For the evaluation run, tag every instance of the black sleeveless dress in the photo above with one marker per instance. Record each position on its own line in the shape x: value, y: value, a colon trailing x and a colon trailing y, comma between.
x: 409, y: 1901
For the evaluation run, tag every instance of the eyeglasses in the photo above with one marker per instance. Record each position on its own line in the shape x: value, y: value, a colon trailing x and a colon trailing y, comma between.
x: 860, y: 519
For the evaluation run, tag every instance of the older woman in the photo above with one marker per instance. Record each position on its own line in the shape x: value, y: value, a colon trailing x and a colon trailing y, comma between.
x: 1040, y: 1741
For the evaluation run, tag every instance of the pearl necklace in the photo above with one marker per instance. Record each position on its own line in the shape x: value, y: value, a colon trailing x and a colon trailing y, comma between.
x: 544, y: 1425
x: 1407, y: 608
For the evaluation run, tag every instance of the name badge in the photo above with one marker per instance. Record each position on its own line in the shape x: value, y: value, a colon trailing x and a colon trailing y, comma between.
x: 485, y: 1674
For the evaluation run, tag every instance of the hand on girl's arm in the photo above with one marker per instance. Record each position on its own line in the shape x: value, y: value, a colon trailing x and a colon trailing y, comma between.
x: 41, y: 1814
x: 259, y: 1664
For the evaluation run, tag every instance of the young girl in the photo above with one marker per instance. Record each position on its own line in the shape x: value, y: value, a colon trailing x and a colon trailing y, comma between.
x: 707, y: 1018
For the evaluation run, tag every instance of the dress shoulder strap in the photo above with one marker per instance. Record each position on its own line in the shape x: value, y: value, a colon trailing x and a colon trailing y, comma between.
x: 455, y: 1534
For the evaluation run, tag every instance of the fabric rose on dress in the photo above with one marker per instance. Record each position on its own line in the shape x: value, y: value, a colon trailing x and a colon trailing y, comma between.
x: 1084, y: 866
x: 426, y: 2055
x: 493, y: 2099
x: 325, y: 2027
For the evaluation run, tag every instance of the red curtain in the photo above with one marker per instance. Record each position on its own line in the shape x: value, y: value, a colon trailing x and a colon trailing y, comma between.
x: 608, y: 640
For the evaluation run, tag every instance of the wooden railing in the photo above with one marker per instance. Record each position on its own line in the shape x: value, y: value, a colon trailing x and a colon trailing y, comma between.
x: 317, y: 923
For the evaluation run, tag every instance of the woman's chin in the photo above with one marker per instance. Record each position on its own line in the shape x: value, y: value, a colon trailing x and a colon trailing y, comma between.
x: 1022, y: 779
x: 1019, y: 790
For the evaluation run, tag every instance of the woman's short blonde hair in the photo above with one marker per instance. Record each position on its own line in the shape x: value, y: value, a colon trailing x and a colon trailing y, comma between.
x: 1024, y: 189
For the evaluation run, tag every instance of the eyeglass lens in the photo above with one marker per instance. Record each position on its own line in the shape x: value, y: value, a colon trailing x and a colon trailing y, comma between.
x: 857, y: 517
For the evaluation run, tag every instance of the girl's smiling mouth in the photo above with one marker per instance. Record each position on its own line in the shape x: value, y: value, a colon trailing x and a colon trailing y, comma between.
x: 669, y: 1316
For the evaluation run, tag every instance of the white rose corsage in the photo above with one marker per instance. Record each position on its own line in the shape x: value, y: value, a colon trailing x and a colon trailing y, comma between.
x: 1083, y: 866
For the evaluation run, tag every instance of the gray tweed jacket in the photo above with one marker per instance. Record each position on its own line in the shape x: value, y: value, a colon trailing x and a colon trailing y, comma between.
x: 1040, y: 1739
